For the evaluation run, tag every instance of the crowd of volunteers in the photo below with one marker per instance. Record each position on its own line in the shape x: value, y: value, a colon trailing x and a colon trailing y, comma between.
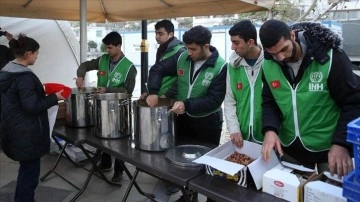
x: 293, y: 93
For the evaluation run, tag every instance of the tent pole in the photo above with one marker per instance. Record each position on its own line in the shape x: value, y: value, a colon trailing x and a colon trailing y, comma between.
x: 144, y: 56
x: 83, y: 31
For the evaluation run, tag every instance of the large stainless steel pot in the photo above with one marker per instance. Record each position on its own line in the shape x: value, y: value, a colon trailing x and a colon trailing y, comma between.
x: 79, y: 107
x: 113, y: 115
x: 153, y: 126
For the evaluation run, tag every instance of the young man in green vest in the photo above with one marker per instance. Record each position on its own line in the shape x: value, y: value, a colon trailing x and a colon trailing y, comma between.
x: 201, y: 77
x: 309, y: 95
x: 168, y: 47
x: 242, y: 104
x: 116, y: 74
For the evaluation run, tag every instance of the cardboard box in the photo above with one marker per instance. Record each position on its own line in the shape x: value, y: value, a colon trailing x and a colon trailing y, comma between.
x: 287, y: 183
x: 216, y: 164
x: 321, y: 190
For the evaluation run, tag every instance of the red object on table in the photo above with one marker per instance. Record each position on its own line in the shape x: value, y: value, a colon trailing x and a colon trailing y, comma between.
x: 51, y: 88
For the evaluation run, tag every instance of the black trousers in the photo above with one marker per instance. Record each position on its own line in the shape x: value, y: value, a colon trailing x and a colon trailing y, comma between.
x: 106, y: 163
x: 27, y: 180
x: 204, y: 131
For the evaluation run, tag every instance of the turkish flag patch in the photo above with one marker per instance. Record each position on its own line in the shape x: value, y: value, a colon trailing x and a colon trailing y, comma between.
x: 239, y: 86
x: 275, y: 84
x: 180, y: 72
x: 102, y: 73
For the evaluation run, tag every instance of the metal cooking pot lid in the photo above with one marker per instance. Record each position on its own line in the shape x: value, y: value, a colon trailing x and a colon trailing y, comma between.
x: 83, y: 90
x: 183, y: 155
x: 112, y: 96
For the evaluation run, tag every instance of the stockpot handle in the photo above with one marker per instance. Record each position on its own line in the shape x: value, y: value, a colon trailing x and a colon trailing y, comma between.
x: 158, y: 114
x: 124, y: 102
x: 91, y: 95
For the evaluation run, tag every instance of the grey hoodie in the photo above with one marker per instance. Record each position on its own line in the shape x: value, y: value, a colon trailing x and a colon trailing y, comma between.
x: 15, y: 67
x: 9, y: 73
x: 232, y: 122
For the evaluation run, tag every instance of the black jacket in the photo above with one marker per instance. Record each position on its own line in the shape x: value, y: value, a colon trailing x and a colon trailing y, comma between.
x: 24, y: 119
x: 6, y: 55
x: 161, y: 51
x: 344, y: 87
x: 216, y: 91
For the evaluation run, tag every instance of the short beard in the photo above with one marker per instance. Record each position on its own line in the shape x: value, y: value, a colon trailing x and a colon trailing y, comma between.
x: 202, y: 55
x: 293, y: 54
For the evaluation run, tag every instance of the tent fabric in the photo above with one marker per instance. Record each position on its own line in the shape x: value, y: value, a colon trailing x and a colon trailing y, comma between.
x: 59, y: 52
x: 127, y: 10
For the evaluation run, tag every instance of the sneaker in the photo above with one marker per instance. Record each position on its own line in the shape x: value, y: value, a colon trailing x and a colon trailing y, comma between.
x: 193, y: 198
x: 170, y: 190
x: 117, y: 177
x: 103, y: 169
x: 181, y: 199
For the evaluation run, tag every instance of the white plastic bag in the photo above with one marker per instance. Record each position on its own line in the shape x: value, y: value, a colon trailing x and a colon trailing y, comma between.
x: 52, y: 112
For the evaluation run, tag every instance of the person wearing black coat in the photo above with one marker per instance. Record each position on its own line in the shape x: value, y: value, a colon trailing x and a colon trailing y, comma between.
x: 201, y: 75
x: 24, y: 128
x: 310, y: 93
x: 6, y: 55
x: 201, y: 86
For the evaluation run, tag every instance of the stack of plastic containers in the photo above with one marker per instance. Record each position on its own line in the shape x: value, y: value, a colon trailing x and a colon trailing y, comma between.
x: 351, y: 185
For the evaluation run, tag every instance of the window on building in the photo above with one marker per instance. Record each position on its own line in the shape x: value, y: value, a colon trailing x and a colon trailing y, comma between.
x: 353, y: 15
x: 99, y: 33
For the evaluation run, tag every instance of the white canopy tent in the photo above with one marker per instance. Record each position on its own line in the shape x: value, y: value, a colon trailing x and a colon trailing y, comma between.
x: 59, y: 52
x: 125, y: 10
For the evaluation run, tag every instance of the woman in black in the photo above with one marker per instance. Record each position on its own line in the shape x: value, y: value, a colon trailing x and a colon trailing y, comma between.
x: 24, y: 120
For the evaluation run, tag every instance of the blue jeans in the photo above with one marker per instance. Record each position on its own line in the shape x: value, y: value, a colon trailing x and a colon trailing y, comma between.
x: 27, y: 181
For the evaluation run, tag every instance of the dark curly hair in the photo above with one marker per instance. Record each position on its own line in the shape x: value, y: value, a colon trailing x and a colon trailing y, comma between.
x: 23, y: 44
x: 199, y: 35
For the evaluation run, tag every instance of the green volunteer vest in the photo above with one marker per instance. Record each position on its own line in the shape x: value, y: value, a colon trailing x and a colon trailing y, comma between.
x: 117, y: 77
x: 308, y: 111
x: 168, y: 80
x: 201, y: 82
x: 248, y: 102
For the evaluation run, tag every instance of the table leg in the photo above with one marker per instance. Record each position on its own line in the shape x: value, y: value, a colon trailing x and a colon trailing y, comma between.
x: 97, y: 154
x: 66, y: 154
x: 52, y: 170
x: 133, y: 182
x: 95, y: 167
x: 185, y: 194
x: 93, y: 161
x: 55, y: 165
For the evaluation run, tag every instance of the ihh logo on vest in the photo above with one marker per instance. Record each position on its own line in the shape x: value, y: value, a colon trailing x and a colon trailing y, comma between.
x: 116, y: 78
x: 206, y: 82
x: 208, y: 78
x: 316, y: 79
x: 209, y: 75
